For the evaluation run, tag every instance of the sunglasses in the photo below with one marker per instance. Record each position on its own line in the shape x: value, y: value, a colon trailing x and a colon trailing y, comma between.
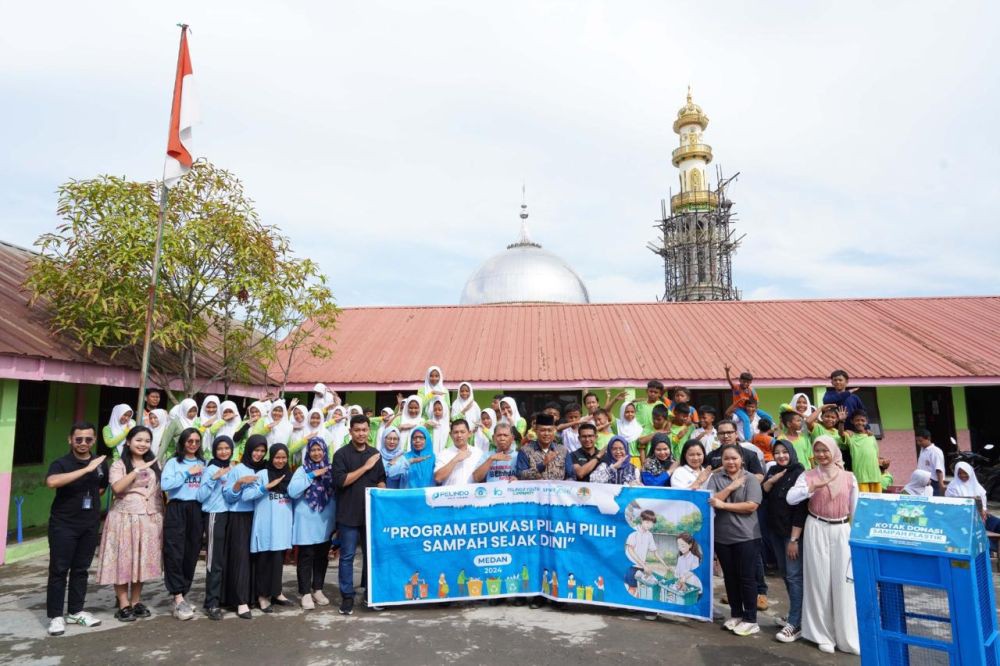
x: 83, y: 440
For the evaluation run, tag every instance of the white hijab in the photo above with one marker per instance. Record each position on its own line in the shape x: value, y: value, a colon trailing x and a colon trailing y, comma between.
x: 282, y: 430
x: 299, y: 429
x: 484, y: 439
x: 382, y: 427
x: 180, y: 413
x: 920, y: 484
x: 207, y: 437
x: 229, y: 428
x: 630, y: 430
x: 115, y: 421
x: 339, y: 430
x: 440, y: 432
x: 407, y: 420
x: 514, y: 414
x: 458, y: 408
x: 970, y: 488
x: 809, y: 408
x: 260, y: 406
x: 319, y: 396
x: 163, y: 418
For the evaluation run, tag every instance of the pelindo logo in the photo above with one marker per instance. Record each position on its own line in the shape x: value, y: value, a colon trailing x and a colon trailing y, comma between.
x: 493, y: 560
x: 480, y: 492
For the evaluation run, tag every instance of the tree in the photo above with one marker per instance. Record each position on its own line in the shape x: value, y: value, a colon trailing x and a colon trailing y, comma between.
x: 229, y: 287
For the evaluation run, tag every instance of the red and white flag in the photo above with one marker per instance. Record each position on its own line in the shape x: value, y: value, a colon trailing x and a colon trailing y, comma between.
x: 183, y: 115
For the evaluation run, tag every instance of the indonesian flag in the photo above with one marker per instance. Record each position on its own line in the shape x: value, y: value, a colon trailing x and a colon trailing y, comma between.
x: 183, y: 115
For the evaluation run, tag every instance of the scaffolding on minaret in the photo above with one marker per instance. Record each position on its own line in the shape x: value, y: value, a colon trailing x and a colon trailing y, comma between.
x: 697, y: 240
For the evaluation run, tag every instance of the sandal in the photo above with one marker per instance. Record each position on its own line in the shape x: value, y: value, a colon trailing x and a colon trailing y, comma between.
x: 125, y: 614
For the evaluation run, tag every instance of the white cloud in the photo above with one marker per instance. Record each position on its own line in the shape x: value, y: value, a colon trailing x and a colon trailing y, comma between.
x: 391, y: 139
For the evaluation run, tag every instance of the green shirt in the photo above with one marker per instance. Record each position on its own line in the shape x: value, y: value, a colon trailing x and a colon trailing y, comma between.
x: 819, y: 429
x: 803, y: 449
x: 644, y: 415
x: 679, y: 439
x: 887, y: 481
x: 864, y: 457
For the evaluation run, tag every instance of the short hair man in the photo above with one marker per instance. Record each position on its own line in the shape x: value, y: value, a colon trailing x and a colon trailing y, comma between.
x: 931, y: 458
x: 456, y: 464
x: 79, y: 479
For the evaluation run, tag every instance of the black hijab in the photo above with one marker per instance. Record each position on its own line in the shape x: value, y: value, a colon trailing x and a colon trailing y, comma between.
x: 792, y: 470
x: 274, y: 473
x: 254, y: 442
x: 218, y: 462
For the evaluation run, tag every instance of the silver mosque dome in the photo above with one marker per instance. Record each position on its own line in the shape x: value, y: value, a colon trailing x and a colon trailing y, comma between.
x: 524, y: 273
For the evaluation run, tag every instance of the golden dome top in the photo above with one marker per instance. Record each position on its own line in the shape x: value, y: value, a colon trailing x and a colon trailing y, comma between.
x: 690, y: 114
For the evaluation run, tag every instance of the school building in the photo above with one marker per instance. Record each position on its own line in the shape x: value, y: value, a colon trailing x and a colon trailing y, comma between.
x: 919, y: 362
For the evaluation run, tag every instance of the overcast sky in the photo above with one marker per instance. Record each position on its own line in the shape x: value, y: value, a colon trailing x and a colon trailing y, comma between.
x: 390, y: 140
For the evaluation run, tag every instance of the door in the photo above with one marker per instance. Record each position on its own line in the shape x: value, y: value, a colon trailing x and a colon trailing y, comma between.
x: 933, y: 409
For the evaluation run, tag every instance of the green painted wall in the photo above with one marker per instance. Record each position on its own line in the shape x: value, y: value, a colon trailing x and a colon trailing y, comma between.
x: 772, y: 398
x: 29, y: 480
x: 363, y: 398
x: 895, y: 407
x: 8, y: 416
x: 961, y: 411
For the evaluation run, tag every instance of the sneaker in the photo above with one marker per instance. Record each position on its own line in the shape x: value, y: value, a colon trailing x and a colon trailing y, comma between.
x: 307, y: 602
x: 320, y: 598
x: 731, y: 623
x: 347, y: 606
x: 57, y: 626
x: 140, y: 610
x: 746, y: 629
x: 83, y: 618
x: 827, y: 648
x: 788, y: 634
x: 125, y: 614
x: 183, y: 611
x: 762, y: 602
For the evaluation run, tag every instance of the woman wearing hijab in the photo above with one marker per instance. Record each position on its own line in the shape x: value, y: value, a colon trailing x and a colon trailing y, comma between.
x: 207, y: 418
x: 311, y: 488
x: 419, y: 461
x: 434, y: 387
x: 299, y: 435
x: 228, y: 422
x: 386, y: 417
x: 238, y: 589
x: 392, y: 457
x: 439, y: 425
x: 132, y: 538
x: 617, y: 467
x: 829, y: 615
x: 279, y: 430
x: 466, y: 407
x: 182, y: 525
x: 965, y: 484
x: 920, y: 484
x: 785, y: 525
x: 510, y: 416
x: 339, y: 430
x: 691, y: 471
x: 736, y: 495
x: 184, y: 415
x: 628, y: 427
x: 118, y: 426
x: 800, y: 402
x: 656, y: 469
x: 271, y: 533
x: 158, y: 419
x: 410, y: 417
x: 215, y: 515
x: 483, y: 437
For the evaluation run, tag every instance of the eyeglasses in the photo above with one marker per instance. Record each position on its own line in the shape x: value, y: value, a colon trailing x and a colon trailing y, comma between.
x: 193, y: 440
x: 722, y: 433
x: 83, y: 440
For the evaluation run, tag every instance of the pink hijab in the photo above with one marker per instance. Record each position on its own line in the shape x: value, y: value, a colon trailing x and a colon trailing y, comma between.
x: 821, y: 473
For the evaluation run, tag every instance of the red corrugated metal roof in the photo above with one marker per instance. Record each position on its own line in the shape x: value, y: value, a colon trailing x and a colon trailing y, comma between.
x: 903, y: 340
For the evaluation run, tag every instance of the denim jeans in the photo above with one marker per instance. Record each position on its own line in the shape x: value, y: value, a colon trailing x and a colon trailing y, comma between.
x: 350, y: 539
x: 791, y: 571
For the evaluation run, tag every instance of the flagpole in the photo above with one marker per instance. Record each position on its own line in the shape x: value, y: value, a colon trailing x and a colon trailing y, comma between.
x: 153, y: 284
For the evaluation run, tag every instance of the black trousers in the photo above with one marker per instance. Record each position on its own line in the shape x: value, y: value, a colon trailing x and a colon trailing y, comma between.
x: 267, y: 572
x: 71, y: 550
x: 182, y: 533
x: 739, y: 563
x: 238, y: 571
x: 310, y: 570
x: 215, y: 557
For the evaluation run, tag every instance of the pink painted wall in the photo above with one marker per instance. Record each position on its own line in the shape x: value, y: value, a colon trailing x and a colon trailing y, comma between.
x: 5, y: 506
x: 899, y: 447
x: 964, y: 442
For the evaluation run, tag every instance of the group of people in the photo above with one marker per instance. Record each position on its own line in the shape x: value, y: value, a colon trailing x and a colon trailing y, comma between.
x: 254, y: 487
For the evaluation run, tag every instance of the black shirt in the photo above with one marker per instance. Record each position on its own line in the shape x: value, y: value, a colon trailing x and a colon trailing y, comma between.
x: 750, y: 461
x: 581, y: 457
x: 351, y: 499
x: 68, y: 504
x: 782, y: 516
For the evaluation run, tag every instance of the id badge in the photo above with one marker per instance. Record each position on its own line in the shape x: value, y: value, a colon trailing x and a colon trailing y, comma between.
x: 88, y: 502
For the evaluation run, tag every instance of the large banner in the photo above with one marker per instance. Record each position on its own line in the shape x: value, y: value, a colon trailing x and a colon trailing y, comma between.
x: 631, y: 547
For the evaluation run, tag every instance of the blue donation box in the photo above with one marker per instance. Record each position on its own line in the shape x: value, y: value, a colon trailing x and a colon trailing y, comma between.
x: 922, y: 582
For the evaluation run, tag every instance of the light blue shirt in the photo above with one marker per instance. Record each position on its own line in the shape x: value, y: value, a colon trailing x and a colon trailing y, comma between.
x: 210, y: 494
x: 309, y: 526
x: 177, y: 483
x: 235, y: 499
x: 272, y: 516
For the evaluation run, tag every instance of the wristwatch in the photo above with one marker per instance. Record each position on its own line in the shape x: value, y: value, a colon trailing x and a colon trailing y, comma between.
x: 794, y: 539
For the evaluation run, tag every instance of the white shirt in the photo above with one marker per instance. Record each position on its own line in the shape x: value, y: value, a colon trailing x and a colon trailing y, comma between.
x: 932, y: 460
x: 686, y: 564
x: 570, y: 439
x: 460, y: 473
x: 642, y: 543
x: 709, y: 440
